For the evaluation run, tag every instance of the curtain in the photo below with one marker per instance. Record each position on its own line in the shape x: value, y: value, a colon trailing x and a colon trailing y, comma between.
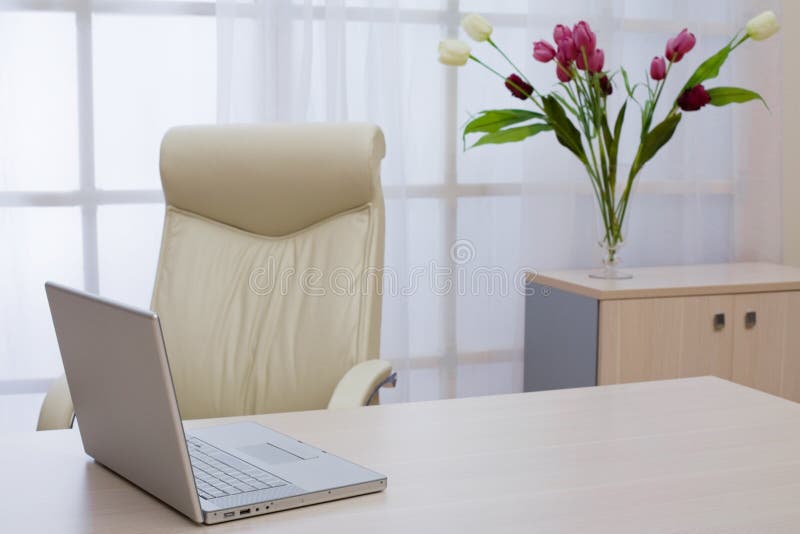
x: 87, y: 89
x: 482, y: 217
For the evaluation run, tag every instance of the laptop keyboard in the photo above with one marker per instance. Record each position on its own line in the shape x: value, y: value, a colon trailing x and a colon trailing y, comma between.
x: 219, y: 474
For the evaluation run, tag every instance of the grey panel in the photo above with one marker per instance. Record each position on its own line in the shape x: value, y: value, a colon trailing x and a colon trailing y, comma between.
x: 560, y: 339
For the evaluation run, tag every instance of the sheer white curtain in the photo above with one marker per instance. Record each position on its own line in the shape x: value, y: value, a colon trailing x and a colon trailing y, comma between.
x: 87, y: 89
x: 712, y: 195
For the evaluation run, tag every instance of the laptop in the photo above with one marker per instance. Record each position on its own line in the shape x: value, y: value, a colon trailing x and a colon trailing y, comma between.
x: 118, y: 374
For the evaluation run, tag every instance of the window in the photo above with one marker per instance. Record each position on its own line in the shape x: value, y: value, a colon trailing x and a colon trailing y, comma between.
x: 87, y: 94
x: 87, y: 89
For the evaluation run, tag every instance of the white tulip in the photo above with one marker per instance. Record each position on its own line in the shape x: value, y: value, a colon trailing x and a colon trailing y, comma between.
x: 477, y: 27
x: 762, y: 26
x: 453, y: 52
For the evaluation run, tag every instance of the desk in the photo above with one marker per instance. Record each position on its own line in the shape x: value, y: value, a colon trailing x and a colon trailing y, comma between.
x: 698, y: 454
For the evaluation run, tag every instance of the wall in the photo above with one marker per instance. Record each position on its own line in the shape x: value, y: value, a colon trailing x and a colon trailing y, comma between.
x: 791, y: 134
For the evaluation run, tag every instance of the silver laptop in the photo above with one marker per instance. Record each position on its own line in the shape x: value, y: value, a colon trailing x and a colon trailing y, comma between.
x: 118, y: 373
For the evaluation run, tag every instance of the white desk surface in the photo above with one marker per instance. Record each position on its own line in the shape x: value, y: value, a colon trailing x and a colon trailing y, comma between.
x: 676, y: 281
x: 691, y: 455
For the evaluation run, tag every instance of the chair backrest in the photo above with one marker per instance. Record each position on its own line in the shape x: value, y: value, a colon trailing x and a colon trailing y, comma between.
x: 268, y: 282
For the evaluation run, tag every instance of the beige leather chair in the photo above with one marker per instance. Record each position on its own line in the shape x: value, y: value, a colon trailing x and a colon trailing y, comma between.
x: 269, y: 278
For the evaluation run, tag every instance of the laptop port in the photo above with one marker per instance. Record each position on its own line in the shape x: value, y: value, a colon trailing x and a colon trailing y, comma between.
x: 229, y: 514
x: 245, y: 511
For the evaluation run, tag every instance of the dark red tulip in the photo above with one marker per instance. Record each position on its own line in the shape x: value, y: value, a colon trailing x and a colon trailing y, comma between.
x: 658, y: 68
x: 693, y: 98
x: 679, y: 45
x: 543, y: 51
x: 605, y: 85
x: 584, y: 37
x: 518, y: 87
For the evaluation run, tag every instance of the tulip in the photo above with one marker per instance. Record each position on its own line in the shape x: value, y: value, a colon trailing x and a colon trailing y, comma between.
x: 453, y: 52
x: 605, y: 85
x: 477, y: 27
x: 561, y: 32
x: 694, y: 98
x: 543, y: 51
x: 596, y: 60
x: 658, y: 68
x: 566, y: 50
x: 762, y: 26
x: 518, y: 87
x: 679, y: 45
x: 563, y: 72
x: 584, y: 37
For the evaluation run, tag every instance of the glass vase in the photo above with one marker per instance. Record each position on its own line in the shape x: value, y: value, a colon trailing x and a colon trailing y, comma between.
x: 611, y: 227
x: 610, y: 269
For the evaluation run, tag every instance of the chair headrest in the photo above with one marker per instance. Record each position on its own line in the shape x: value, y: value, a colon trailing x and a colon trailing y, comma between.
x: 271, y: 179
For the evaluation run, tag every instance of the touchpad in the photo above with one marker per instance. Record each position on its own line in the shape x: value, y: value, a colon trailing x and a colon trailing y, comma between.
x: 269, y: 453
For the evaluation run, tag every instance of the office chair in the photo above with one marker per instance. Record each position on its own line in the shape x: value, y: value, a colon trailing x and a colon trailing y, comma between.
x: 269, y: 277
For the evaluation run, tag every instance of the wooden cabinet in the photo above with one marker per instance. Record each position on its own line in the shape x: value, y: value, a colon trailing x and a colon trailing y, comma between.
x: 654, y: 339
x: 740, y: 322
x: 766, y: 353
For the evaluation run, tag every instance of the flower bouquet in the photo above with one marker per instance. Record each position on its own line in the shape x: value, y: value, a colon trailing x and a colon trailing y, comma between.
x: 576, y: 110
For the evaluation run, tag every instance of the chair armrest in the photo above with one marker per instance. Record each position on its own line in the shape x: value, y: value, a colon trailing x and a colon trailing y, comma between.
x: 360, y: 384
x: 57, y: 411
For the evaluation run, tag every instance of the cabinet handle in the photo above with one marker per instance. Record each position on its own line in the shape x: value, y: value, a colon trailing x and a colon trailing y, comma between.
x: 719, y: 321
x: 750, y: 319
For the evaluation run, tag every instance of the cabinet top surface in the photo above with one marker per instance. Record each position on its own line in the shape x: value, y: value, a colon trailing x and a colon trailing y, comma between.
x: 677, y: 281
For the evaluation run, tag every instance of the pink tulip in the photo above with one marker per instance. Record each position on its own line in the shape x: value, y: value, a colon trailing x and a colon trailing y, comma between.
x: 658, y: 68
x: 562, y: 72
x: 584, y: 37
x: 596, y: 60
x: 543, y: 51
x: 561, y: 32
x: 679, y: 45
x: 566, y: 50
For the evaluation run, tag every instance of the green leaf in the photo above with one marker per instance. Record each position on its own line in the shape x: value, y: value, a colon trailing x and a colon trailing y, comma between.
x: 608, y: 139
x: 620, y: 120
x: 657, y: 138
x: 722, y: 96
x: 647, y: 117
x: 613, y: 147
x: 709, y: 68
x: 512, y: 135
x: 496, y: 119
x: 566, y: 133
x: 565, y: 103
x: 627, y: 82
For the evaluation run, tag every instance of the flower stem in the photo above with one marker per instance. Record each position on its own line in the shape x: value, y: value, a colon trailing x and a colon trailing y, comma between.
x: 520, y: 89
x: 489, y: 40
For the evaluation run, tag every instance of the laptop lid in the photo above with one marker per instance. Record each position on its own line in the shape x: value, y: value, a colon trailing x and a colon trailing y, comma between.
x: 119, y: 378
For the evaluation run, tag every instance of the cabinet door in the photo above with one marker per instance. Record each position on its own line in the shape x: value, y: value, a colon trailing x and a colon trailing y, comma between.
x: 660, y: 338
x: 766, y: 353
